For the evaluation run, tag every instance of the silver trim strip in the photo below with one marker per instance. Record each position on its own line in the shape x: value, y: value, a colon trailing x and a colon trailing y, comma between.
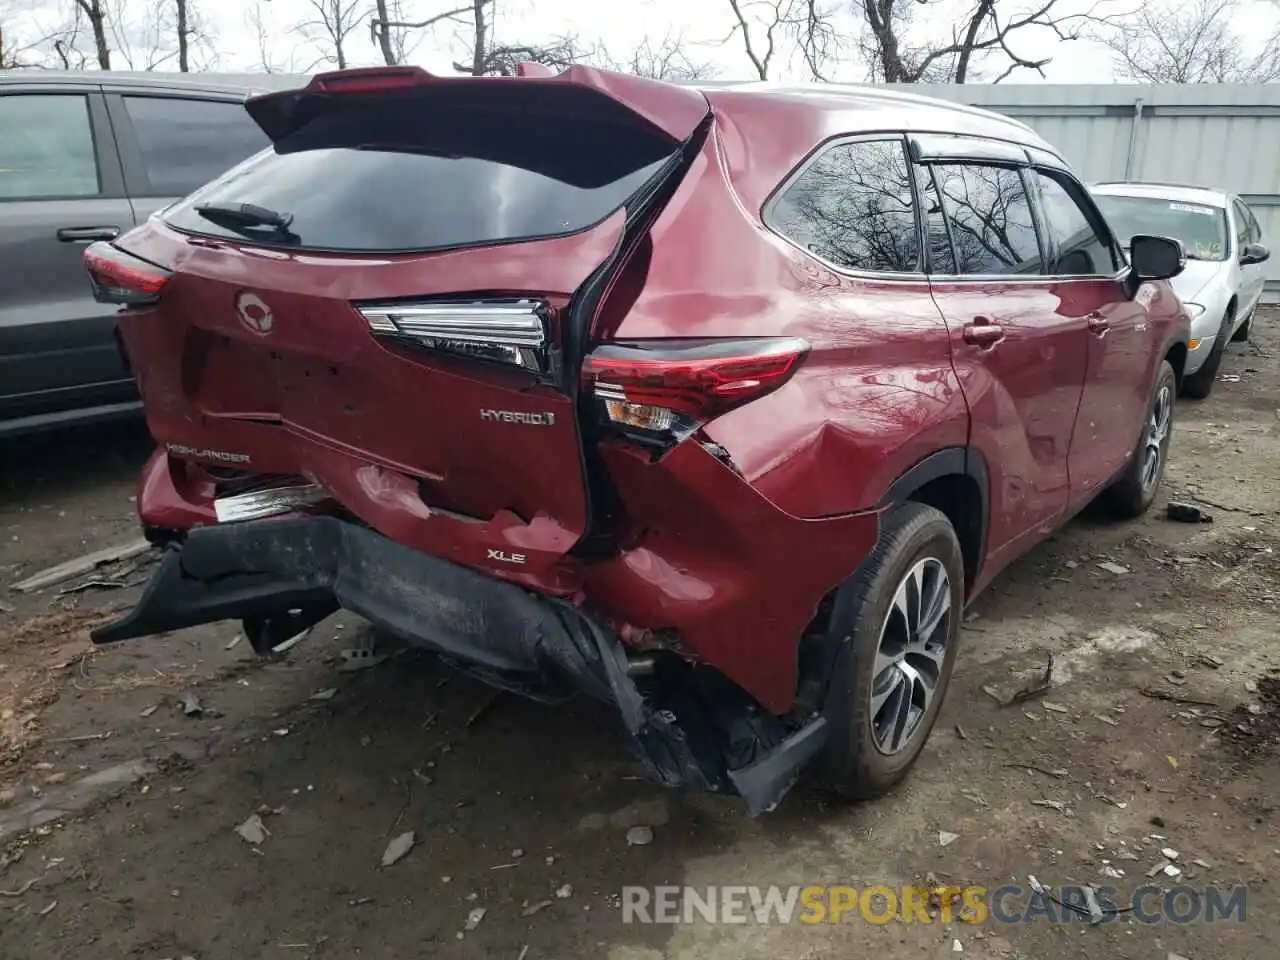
x: 270, y: 502
x: 512, y: 331
x: 517, y: 324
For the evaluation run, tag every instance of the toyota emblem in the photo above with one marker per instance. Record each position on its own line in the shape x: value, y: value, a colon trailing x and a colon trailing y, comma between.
x: 254, y: 313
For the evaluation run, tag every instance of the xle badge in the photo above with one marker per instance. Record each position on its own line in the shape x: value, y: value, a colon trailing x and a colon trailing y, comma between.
x: 506, y: 557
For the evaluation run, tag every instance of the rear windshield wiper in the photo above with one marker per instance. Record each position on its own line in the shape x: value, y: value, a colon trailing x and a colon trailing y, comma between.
x: 235, y: 215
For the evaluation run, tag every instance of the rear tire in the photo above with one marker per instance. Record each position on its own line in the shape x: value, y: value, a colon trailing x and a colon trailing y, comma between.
x: 898, y: 624
x: 1199, y: 385
x: 1245, y: 329
x: 1134, y: 492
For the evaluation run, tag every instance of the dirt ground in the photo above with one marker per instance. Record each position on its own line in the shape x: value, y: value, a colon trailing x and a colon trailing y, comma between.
x: 118, y: 810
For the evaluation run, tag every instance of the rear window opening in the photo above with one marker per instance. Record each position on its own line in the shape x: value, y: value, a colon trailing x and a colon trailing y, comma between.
x: 419, y: 172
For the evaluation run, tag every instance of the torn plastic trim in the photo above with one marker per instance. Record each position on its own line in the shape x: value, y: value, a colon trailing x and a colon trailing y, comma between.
x: 691, y: 727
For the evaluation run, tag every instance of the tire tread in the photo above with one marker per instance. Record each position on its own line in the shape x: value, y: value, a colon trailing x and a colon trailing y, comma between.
x: 851, y: 769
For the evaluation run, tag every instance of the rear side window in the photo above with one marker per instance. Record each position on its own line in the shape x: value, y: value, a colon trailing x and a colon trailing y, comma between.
x: 990, y: 220
x: 1255, y: 231
x: 186, y: 143
x: 1075, y: 246
x: 852, y: 206
x: 405, y: 174
x: 46, y: 147
x: 1252, y: 232
x: 1242, y: 226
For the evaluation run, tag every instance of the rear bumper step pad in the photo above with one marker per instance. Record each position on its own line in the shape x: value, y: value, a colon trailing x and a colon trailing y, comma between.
x: 689, y: 733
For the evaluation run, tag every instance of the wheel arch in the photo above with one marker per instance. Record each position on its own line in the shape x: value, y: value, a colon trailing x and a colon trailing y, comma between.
x: 1176, y: 354
x: 955, y: 481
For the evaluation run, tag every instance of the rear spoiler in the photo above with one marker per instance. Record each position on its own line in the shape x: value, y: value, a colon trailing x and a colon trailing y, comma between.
x: 664, y: 108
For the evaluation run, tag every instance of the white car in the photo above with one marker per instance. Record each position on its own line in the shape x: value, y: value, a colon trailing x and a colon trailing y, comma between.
x: 1224, y: 277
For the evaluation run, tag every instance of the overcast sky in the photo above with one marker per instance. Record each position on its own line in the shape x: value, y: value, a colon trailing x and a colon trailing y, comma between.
x: 616, y: 25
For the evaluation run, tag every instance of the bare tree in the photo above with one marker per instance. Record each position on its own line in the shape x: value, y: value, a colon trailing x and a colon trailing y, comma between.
x: 17, y: 49
x: 182, y: 11
x: 96, y: 12
x: 487, y: 57
x: 266, y: 62
x: 391, y: 27
x: 668, y: 59
x: 153, y: 34
x: 334, y: 22
x: 10, y: 53
x: 1191, y: 43
x: 68, y: 55
x: 766, y: 27
x: 760, y: 49
x: 266, y: 59
x: 985, y: 30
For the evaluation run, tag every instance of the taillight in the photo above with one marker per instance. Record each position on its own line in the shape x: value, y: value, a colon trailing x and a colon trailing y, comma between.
x: 660, y: 391
x: 122, y: 278
x: 512, y: 332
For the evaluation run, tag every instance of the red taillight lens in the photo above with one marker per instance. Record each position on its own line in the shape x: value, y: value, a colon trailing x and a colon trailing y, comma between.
x: 670, y: 387
x: 122, y: 278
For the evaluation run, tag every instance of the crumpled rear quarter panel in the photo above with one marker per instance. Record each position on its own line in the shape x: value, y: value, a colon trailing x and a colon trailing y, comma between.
x: 738, y: 577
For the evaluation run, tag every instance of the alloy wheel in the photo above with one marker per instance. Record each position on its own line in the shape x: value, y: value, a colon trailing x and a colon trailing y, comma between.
x: 908, y: 664
x: 1155, y: 435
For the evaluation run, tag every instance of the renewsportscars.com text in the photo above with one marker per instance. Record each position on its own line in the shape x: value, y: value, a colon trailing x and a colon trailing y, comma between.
x: 1009, y: 904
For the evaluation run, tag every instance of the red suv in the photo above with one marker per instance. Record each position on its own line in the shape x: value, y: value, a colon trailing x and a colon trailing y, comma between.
x: 718, y: 405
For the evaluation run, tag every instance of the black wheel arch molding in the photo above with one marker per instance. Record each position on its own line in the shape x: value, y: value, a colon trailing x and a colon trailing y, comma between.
x: 957, y: 461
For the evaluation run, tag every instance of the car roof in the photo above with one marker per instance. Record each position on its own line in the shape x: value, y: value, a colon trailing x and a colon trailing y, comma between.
x: 1209, y: 196
x: 883, y: 108
x: 239, y: 84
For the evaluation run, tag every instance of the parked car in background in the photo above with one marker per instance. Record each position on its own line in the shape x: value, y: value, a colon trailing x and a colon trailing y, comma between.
x: 1224, y: 277
x: 717, y: 404
x: 85, y: 157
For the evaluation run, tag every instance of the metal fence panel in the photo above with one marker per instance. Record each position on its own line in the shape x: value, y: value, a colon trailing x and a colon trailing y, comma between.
x: 1213, y: 135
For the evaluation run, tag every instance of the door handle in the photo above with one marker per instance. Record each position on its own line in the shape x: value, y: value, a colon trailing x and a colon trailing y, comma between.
x: 1098, y: 324
x: 983, y: 333
x: 87, y: 234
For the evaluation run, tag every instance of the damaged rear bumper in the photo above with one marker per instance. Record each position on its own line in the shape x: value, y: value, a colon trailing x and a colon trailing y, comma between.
x: 691, y: 729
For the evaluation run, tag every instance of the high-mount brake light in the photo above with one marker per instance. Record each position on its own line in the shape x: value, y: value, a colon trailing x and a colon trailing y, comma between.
x: 122, y: 278
x: 368, y: 80
x: 660, y: 391
x: 512, y: 332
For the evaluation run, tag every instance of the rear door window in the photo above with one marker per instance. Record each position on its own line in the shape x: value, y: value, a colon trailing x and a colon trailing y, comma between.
x: 46, y: 147
x: 185, y: 143
x: 853, y: 207
x: 406, y: 174
x: 1076, y: 246
x: 989, y: 217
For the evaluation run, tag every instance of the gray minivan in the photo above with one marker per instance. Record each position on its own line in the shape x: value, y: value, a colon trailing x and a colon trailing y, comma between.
x: 84, y: 157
